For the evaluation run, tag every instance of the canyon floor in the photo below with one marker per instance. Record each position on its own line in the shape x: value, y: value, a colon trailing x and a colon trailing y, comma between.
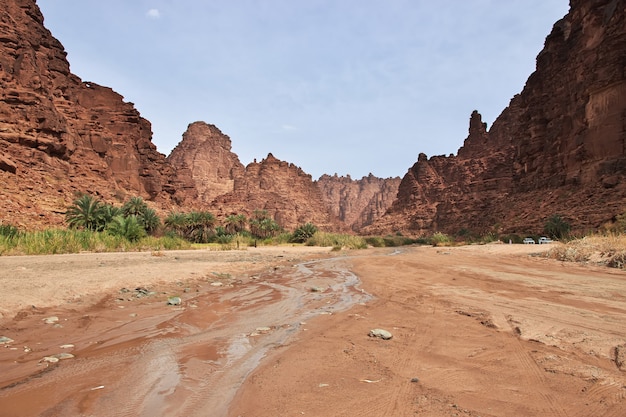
x: 491, y: 330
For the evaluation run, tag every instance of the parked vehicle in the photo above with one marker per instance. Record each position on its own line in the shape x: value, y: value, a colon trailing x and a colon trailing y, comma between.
x: 529, y: 240
x: 544, y: 239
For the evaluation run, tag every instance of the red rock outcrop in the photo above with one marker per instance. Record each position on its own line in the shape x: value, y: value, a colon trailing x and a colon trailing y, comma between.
x: 205, y: 156
x: 358, y: 203
x: 59, y: 135
x: 559, y: 147
x: 287, y: 193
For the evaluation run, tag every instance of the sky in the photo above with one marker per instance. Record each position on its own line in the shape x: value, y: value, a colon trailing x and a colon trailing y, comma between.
x: 347, y: 87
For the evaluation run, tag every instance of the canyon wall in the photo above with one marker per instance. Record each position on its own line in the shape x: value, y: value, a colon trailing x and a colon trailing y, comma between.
x: 358, y: 203
x: 60, y: 136
x: 558, y: 148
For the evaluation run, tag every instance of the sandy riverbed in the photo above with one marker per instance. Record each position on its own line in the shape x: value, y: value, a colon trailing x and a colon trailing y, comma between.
x: 477, y: 331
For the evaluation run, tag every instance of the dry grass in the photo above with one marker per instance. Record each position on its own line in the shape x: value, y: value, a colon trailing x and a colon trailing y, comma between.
x: 604, y: 250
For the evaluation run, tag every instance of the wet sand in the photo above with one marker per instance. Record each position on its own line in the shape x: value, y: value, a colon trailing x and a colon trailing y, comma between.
x: 477, y: 331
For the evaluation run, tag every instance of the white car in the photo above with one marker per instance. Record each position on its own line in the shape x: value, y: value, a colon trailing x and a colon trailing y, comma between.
x: 544, y: 239
x: 529, y: 240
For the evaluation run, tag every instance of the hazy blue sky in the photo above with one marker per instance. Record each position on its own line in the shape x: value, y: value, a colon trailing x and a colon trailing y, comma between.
x: 333, y: 86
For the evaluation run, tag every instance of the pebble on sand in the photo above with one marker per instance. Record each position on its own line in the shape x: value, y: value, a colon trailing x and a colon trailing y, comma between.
x: 380, y: 333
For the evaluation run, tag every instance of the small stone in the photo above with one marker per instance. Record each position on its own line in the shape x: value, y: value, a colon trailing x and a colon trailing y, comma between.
x: 174, y: 301
x: 380, y: 333
x: 263, y: 329
x: 415, y: 380
x: 50, y: 359
x: 4, y: 340
x: 317, y: 289
x: 61, y: 356
x: 67, y: 346
x: 51, y: 320
x: 217, y: 284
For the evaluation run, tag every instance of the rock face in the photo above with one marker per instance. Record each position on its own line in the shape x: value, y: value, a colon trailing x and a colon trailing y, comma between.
x: 205, y: 156
x: 559, y: 147
x: 287, y: 193
x: 358, y: 203
x: 59, y: 135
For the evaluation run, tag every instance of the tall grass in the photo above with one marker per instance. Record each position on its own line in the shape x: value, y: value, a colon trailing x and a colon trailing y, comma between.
x: 609, y: 250
x: 336, y: 241
x: 55, y: 241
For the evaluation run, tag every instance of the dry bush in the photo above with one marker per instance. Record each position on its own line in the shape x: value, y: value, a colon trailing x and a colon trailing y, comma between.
x: 607, y: 250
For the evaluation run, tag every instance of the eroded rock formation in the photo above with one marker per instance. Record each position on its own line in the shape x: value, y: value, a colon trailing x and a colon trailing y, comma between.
x: 204, y: 155
x: 287, y: 193
x: 59, y: 135
x: 358, y: 203
x: 559, y: 147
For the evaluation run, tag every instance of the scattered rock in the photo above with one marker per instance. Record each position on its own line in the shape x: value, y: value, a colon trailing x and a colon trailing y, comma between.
x: 61, y: 356
x: 174, y: 301
x: 57, y: 357
x: 5, y: 340
x: 217, y: 284
x: 261, y: 330
x: 380, y: 333
x: 51, y: 320
x: 318, y: 289
x: 415, y: 380
x: 67, y: 346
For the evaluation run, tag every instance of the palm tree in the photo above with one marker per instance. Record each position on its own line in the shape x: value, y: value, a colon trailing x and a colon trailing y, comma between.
x: 149, y: 220
x: 134, y: 207
x: 235, y: 223
x: 127, y: 227
x: 177, y: 223
x: 200, y: 226
x: 556, y: 227
x: 303, y: 233
x: 109, y: 211
x: 86, y: 212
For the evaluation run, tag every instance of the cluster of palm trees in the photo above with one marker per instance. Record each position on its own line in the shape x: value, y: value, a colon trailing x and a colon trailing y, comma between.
x: 134, y: 220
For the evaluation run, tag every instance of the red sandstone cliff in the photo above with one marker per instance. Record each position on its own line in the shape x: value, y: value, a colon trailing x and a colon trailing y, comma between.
x: 287, y: 193
x: 358, y: 203
x: 559, y: 147
x: 59, y: 135
x: 204, y: 155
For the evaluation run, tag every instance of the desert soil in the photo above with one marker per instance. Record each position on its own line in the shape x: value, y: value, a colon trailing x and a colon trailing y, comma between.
x: 492, y: 330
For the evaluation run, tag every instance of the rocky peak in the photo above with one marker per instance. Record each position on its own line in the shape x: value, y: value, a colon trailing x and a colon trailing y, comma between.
x: 204, y: 156
x: 284, y: 190
x: 559, y: 147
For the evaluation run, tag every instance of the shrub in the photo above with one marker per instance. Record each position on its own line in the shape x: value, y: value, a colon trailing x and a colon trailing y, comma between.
x: 375, y: 241
x: 337, y: 241
x: 440, y: 239
x: 303, y: 233
x: 556, y: 227
x: 8, y: 231
x: 127, y: 227
x: 608, y: 250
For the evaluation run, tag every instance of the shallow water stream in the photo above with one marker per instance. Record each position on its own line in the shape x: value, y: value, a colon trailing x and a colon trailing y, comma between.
x: 186, y: 360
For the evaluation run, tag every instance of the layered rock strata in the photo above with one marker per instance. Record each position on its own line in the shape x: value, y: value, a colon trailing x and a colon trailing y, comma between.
x: 558, y: 148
